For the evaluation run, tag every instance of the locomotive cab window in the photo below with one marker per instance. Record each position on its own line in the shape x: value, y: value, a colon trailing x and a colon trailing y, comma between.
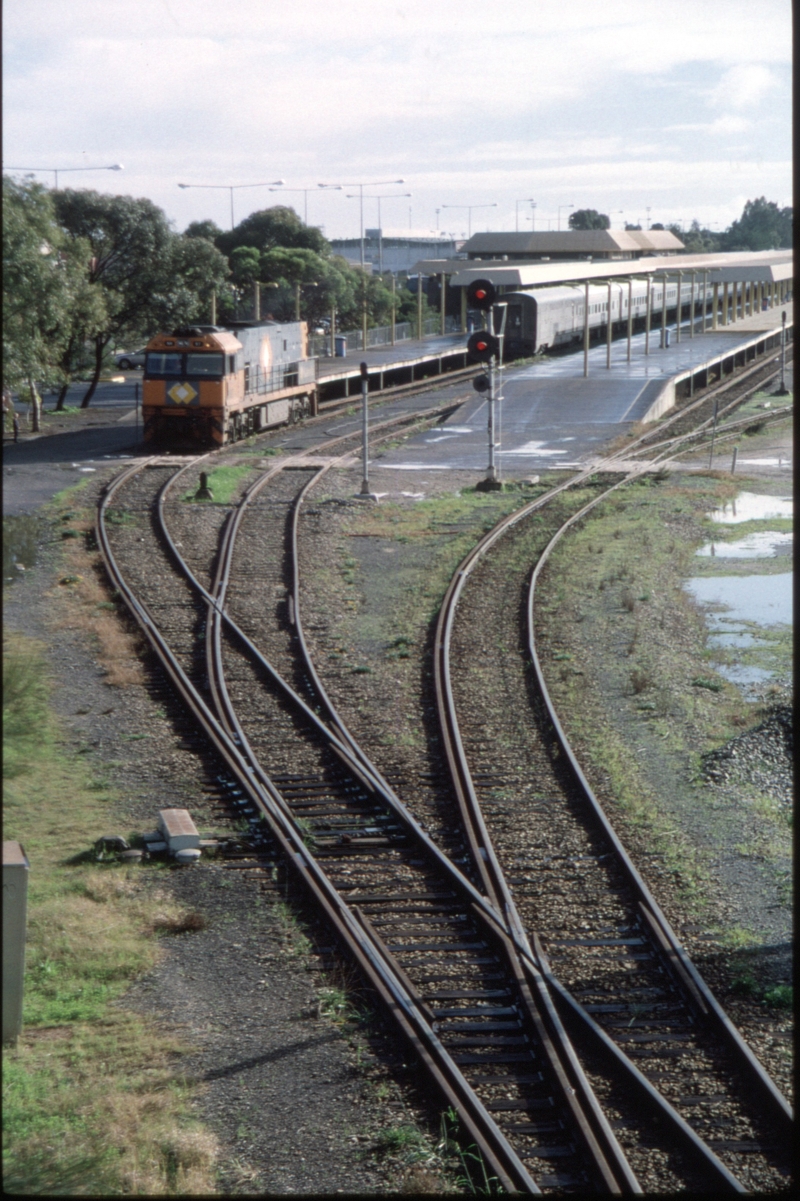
x: 205, y: 364
x: 163, y: 364
x: 231, y: 364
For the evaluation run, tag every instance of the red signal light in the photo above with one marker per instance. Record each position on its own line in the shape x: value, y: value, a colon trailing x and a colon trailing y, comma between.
x: 481, y: 294
x: 482, y: 346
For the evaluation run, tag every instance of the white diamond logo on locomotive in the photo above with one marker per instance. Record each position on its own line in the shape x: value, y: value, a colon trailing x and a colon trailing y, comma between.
x: 182, y: 393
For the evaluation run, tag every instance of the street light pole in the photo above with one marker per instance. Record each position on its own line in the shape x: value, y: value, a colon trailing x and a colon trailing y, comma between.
x: 305, y: 192
x: 517, y: 203
x: 469, y: 208
x: 560, y: 207
x: 391, y: 196
x: 113, y: 167
x: 231, y: 188
x: 367, y: 183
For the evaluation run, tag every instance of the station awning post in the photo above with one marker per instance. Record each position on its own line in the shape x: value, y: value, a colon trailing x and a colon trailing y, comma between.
x: 586, y: 331
x: 664, y: 279
x: 394, y: 308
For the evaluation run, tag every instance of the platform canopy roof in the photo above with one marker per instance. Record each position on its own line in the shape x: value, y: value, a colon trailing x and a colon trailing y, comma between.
x: 763, y: 266
x: 570, y: 243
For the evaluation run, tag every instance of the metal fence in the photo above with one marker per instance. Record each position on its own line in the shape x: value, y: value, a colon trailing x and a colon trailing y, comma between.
x: 381, y: 335
x: 284, y: 375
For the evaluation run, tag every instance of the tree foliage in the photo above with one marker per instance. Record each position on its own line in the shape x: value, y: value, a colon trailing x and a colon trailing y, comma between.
x: 273, y: 227
x: 49, y: 306
x: 589, y: 219
x: 149, y: 276
x: 762, y: 226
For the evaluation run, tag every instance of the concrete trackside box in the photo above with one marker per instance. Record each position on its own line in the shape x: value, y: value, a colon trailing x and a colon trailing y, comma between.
x: 15, y: 905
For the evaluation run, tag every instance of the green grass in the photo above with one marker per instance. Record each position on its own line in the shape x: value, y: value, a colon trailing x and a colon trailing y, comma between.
x: 224, y: 483
x: 91, y: 1100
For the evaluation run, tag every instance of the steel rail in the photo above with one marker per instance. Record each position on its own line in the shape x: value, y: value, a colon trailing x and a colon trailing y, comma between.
x: 486, y: 861
x: 723, y: 1177
x: 540, y: 976
x: 597, y: 1135
x: 730, y: 429
x: 679, y: 963
x: 216, y: 678
x: 414, y: 1023
x: 564, y: 1064
x: 710, y: 394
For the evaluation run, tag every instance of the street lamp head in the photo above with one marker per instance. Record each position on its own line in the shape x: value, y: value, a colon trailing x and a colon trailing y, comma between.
x: 116, y: 167
x: 184, y: 185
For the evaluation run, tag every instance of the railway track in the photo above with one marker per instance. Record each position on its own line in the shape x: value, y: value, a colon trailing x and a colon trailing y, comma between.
x: 366, y: 860
x: 432, y: 924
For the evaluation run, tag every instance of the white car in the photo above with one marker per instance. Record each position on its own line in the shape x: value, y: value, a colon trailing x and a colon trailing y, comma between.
x: 128, y: 359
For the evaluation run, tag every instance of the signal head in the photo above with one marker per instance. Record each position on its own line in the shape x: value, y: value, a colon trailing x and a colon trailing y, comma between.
x: 481, y: 294
x: 481, y: 347
x: 481, y: 382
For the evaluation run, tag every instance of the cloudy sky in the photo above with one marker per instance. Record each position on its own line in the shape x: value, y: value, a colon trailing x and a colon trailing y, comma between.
x: 682, y: 108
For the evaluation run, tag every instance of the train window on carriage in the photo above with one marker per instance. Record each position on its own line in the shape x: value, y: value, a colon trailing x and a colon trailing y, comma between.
x: 163, y: 364
x: 205, y: 364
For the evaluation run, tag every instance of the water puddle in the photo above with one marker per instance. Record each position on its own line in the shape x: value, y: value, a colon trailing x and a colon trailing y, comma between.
x: 766, y: 544
x: 763, y: 599
x: 20, y: 537
x: 751, y: 506
x: 736, y: 606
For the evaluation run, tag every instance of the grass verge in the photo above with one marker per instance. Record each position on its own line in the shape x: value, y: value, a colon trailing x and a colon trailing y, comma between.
x: 93, y: 1098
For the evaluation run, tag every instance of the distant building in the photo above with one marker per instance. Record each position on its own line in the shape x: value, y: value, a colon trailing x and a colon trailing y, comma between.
x: 396, y: 252
x: 573, y: 244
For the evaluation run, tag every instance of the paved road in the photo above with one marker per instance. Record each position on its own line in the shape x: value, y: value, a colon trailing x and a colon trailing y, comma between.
x: 35, y: 469
x: 107, y: 395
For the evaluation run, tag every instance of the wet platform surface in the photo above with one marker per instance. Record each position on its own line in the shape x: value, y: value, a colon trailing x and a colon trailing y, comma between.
x: 385, y: 357
x: 551, y: 415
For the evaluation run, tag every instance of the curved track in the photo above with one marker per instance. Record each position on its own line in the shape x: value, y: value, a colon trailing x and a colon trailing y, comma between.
x: 433, y: 927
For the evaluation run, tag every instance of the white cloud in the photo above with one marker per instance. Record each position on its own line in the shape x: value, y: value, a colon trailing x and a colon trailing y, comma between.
x: 744, y: 85
x: 466, y: 101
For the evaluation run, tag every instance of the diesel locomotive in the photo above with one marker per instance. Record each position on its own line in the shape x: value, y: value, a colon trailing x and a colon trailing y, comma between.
x: 209, y: 386
x: 539, y: 319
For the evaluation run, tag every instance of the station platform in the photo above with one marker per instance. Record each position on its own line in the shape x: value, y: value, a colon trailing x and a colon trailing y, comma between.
x: 390, y: 365
x: 550, y: 415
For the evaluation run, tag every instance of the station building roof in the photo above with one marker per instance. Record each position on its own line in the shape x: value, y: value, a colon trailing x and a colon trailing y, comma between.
x: 572, y: 244
x: 765, y: 266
